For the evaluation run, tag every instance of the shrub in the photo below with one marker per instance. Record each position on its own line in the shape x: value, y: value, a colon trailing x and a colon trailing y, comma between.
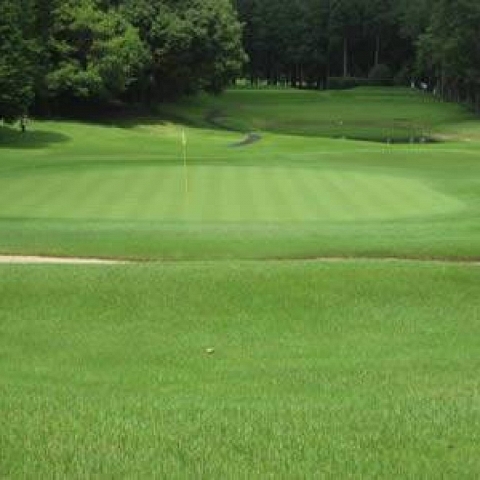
x: 344, y: 83
x: 380, y: 75
x: 403, y: 77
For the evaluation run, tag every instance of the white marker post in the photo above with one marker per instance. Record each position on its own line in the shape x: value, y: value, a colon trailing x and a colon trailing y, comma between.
x: 184, y: 144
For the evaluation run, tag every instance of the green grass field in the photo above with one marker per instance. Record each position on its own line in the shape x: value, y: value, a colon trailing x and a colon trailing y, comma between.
x: 365, y: 365
x: 71, y: 188
x: 349, y: 369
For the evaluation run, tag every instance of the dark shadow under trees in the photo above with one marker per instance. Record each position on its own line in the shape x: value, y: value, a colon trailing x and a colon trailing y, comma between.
x: 30, y: 139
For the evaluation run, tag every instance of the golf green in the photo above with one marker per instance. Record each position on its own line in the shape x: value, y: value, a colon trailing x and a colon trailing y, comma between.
x: 216, y: 193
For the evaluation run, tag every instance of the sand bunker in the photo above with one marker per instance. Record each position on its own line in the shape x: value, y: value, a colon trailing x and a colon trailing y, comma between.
x: 56, y: 260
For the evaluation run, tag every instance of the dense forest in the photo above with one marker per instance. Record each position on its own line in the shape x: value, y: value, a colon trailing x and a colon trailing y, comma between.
x: 341, y: 43
x: 59, y: 53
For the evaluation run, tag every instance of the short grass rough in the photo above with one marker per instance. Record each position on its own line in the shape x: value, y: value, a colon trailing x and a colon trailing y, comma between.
x: 359, y: 368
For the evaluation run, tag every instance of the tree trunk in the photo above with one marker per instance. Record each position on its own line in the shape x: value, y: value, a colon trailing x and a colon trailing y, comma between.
x: 345, y: 57
x: 442, y: 82
x: 377, y: 50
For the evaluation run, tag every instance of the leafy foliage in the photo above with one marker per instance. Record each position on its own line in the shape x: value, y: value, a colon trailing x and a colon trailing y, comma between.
x: 16, y: 88
x: 449, y: 51
x: 88, y: 50
x: 58, y: 52
x: 95, y: 52
x: 192, y: 45
x: 380, y: 74
x: 307, y: 42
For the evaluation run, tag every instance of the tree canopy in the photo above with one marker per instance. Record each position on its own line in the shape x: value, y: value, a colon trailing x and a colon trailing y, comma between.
x: 16, y: 63
x: 307, y: 42
x: 54, y: 52
x: 304, y: 41
x: 75, y: 51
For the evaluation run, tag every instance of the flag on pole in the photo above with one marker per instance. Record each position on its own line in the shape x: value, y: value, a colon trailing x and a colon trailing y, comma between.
x: 184, y: 143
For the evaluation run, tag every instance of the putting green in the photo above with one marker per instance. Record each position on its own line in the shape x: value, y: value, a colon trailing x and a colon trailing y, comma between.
x: 217, y: 193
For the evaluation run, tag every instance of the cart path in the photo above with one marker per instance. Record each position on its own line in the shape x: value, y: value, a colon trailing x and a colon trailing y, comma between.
x: 248, y: 140
x: 214, y: 118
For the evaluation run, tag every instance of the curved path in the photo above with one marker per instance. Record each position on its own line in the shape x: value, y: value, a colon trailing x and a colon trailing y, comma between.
x: 214, y: 118
x: 248, y: 140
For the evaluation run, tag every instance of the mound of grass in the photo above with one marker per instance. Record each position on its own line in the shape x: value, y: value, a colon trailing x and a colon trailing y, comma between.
x: 397, y: 115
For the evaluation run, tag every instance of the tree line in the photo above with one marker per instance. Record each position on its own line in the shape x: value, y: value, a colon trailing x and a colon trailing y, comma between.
x: 340, y: 43
x: 307, y: 42
x: 57, y: 53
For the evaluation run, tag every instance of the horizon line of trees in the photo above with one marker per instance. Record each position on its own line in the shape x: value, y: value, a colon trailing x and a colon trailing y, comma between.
x: 306, y: 42
x: 338, y: 43
x: 58, y: 53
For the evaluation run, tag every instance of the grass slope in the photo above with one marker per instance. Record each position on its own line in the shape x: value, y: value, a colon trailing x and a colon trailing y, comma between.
x: 375, y: 114
x: 69, y: 188
x: 360, y: 369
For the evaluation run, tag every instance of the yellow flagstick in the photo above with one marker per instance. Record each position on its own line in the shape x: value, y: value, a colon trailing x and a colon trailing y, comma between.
x: 184, y: 144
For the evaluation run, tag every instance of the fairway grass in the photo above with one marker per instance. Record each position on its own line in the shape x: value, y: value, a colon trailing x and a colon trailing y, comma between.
x: 345, y: 369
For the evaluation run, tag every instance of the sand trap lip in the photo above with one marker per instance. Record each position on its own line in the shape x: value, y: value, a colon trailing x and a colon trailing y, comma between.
x: 38, y: 259
x: 30, y: 259
x: 426, y: 261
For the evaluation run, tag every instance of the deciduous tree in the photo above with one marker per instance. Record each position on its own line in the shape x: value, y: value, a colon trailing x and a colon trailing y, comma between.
x: 16, y: 62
